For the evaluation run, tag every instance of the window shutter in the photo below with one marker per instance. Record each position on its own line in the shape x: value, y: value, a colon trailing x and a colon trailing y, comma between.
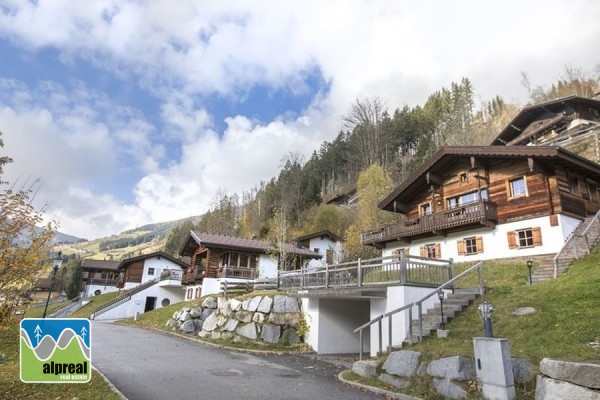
x: 329, y: 256
x: 438, y: 250
x: 423, y: 251
x: 479, y: 244
x: 537, y: 236
x: 395, y: 256
x: 461, y: 247
x: 512, y: 240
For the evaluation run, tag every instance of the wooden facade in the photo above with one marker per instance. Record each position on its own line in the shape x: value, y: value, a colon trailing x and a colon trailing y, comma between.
x: 222, y: 256
x: 462, y: 188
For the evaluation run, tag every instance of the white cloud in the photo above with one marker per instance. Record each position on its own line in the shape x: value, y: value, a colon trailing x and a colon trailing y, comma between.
x: 186, y: 52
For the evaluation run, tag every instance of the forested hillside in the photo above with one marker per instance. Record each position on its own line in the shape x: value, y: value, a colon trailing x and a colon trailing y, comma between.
x: 374, y: 151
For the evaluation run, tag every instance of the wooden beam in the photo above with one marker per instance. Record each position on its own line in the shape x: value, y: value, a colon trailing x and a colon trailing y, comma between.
x: 400, y: 207
x: 433, y: 178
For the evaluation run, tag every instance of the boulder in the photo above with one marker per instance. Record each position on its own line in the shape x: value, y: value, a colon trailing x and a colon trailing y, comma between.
x: 223, y: 306
x: 231, y: 325
x: 209, y: 302
x: 582, y: 374
x: 199, y: 324
x: 271, y: 333
x: 258, y: 318
x: 291, y: 319
x: 285, y: 304
x: 521, y: 370
x: 184, y: 316
x: 248, y: 331
x: 265, y: 305
x: 252, y: 304
x: 290, y: 336
x: 449, y: 389
x: 402, y: 363
x: 244, y: 316
x: 548, y: 388
x: 196, y: 312
x: 188, y: 326
x: 235, y: 305
x: 210, y: 324
x: 206, y: 313
x: 457, y: 367
x: 400, y: 383
x: 365, y: 368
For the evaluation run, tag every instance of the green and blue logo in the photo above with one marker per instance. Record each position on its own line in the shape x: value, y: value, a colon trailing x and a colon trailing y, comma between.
x: 56, y: 350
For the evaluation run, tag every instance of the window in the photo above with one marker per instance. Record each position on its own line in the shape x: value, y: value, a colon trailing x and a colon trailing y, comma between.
x: 467, y: 198
x: 316, y: 250
x: 150, y: 271
x: 432, y: 250
x: 573, y: 185
x: 463, y: 177
x: 523, y: 238
x: 518, y: 187
x: 396, y: 254
x: 593, y: 190
x: 469, y: 246
x: 425, y: 209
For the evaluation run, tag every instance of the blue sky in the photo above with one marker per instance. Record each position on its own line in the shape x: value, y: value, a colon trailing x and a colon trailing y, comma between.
x: 136, y: 112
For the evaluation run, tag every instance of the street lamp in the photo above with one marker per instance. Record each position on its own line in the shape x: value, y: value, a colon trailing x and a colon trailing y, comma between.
x: 56, y: 263
x: 441, y: 297
x: 529, y: 265
x: 485, y: 310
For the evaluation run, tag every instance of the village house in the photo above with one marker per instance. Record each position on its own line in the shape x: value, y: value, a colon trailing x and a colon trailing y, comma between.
x: 488, y: 202
x: 99, y: 276
x: 151, y: 281
x: 325, y: 243
x: 217, y: 258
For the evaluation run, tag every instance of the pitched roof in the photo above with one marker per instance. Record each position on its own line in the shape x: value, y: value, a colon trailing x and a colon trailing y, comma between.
x: 100, y: 264
x: 158, y: 254
x: 531, y: 113
x: 444, y: 158
x: 206, y: 239
x: 325, y: 232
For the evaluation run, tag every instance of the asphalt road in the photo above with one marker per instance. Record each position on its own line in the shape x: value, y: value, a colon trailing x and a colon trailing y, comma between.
x: 149, y: 365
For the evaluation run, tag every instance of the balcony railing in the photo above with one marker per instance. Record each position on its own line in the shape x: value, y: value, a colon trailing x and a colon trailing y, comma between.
x: 171, y: 275
x: 402, y: 270
x: 480, y: 211
x: 192, y: 275
x: 102, y: 282
x: 236, y: 272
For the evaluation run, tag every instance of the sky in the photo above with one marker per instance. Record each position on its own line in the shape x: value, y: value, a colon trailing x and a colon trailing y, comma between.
x: 129, y: 112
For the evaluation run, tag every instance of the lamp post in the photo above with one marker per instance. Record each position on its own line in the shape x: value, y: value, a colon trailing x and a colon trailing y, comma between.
x: 529, y: 265
x: 485, y: 310
x: 441, y: 298
x: 56, y: 263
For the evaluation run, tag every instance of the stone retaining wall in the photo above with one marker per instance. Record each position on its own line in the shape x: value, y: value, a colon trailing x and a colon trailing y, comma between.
x: 261, y: 319
x: 568, y: 380
x: 452, y: 377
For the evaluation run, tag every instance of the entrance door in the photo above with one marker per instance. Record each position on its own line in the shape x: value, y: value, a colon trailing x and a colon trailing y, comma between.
x: 150, y: 304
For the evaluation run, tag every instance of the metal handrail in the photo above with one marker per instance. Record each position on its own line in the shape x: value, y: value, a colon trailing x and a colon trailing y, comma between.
x: 571, y: 239
x: 409, y: 306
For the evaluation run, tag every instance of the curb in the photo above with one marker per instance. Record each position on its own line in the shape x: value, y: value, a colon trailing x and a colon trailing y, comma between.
x: 383, y: 392
x: 109, y: 383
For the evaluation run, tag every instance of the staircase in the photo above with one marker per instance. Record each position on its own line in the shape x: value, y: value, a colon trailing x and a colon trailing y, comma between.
x: 583, y: 238
x: 454, y: 303
x: 124, y: 297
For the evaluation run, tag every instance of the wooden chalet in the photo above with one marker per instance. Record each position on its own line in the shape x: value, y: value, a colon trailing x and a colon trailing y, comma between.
x: 489, y: 201
x: 222, y: 256
x: 149, y: 267
x: 571, y: 122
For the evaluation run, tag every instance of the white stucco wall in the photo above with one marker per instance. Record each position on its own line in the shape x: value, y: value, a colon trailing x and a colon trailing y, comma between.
x: 89, y: 290
x: 337, y: 320
x: 495, y: 243
x: 267, y: 267
x: 138, y: 302
x: 397, y: 296
x: 159, y: 264
x: 323, y: 244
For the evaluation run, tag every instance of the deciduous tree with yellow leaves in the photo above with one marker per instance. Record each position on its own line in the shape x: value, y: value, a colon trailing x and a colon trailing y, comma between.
x: 23, y: 246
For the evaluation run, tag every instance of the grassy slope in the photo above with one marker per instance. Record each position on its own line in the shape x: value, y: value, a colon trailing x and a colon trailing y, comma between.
x: 563, y: 326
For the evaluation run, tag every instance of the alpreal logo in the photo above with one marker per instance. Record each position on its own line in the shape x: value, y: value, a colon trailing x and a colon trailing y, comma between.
x: 56, y: 350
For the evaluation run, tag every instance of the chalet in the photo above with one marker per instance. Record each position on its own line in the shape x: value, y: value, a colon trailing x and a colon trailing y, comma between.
x: 325, y: 243
x: 99, y: 276
x: 487, y: 202
x: 216, y: 258
x: 150, y: 281
x: 571, y: 122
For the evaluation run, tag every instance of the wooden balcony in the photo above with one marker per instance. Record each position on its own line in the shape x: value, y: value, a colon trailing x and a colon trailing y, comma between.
x: 193, y: 275
x: 481, y: 212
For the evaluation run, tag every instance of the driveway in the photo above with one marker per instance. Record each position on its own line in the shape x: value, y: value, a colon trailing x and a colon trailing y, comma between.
x: 148, y: 365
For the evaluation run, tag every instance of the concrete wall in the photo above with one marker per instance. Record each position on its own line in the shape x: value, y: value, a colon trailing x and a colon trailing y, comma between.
x: 337, y: 321
x: 89, y: 290
x: 397, y: 296
x: 323, y: 244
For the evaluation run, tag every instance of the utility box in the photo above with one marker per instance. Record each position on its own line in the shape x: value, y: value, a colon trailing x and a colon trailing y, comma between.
x: 493, y: 367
